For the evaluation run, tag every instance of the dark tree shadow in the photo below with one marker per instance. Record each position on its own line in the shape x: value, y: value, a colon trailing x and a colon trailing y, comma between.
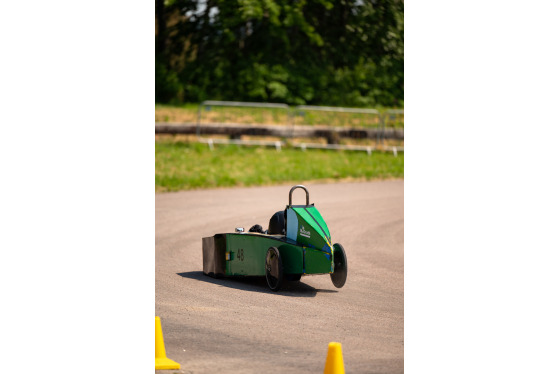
x: 257, y: 284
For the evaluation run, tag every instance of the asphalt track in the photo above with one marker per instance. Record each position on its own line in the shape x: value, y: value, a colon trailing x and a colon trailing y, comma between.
x: 240, y: 326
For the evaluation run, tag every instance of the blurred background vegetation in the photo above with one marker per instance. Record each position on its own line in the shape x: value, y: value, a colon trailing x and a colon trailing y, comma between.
x: 184, y: 165
x: 321, y: 52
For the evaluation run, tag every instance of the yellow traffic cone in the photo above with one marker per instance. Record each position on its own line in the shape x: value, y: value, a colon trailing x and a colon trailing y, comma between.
x: 334, y: 363
x: 162, y: 362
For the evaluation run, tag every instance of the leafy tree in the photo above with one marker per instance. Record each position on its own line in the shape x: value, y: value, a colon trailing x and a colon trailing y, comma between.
x: 323, y: 52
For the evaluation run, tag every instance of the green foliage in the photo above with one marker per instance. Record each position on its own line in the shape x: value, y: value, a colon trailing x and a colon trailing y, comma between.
x: 322, y: 52
x: 181, y: 165
x: 168, y: 87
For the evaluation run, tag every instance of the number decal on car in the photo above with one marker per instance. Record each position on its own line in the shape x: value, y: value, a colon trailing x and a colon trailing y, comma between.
x: 240, y: 256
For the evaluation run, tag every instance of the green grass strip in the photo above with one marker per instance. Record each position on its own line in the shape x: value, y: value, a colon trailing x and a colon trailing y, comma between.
x: 185, y: 166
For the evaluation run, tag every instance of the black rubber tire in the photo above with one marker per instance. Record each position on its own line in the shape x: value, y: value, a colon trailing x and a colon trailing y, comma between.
x: 273, y: 269
x: 338, y: 276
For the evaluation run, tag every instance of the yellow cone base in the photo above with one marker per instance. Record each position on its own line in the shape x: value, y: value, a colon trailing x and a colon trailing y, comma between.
x: 334, y: 363
x: 166, y: 364
x: 162, y: 362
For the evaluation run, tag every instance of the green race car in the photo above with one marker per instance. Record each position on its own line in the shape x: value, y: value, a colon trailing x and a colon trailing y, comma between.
x: 297, y: 242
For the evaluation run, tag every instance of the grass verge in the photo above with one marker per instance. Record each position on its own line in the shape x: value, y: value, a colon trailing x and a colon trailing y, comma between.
x: 183, y: 165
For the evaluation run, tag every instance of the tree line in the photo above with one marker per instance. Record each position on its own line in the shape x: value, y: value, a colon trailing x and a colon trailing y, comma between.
x: 321, y: 52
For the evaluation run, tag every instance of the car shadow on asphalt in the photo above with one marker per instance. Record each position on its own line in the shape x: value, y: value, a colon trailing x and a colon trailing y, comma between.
x: 257, y: 284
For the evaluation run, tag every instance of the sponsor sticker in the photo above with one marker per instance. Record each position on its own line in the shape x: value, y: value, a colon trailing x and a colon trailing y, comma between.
x: 304, y: 233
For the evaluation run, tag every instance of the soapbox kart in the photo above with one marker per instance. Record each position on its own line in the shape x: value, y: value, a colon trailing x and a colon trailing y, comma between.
x: 297, y: 242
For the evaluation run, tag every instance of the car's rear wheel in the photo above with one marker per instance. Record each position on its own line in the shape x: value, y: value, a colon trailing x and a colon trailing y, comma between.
x: 273, y: 269
x: 338, y: 276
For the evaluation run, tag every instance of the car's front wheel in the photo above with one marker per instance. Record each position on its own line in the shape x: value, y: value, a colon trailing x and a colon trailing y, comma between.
x: 338, y: 276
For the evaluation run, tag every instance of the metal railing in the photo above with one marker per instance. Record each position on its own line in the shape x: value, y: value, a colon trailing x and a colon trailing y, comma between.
x: 393, y: 120
x: 339, y: 117
x: 278, y: 120
x: 266, y: 113
x: 336, y: 116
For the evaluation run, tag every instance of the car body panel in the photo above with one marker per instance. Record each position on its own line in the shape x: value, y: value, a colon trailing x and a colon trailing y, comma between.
x: 240, y: 254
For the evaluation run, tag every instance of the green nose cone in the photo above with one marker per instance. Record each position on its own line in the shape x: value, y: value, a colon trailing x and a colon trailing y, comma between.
x: 306, y: 226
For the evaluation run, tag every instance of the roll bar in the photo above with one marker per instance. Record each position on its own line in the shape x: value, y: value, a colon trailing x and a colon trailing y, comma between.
x: 306, y: 194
